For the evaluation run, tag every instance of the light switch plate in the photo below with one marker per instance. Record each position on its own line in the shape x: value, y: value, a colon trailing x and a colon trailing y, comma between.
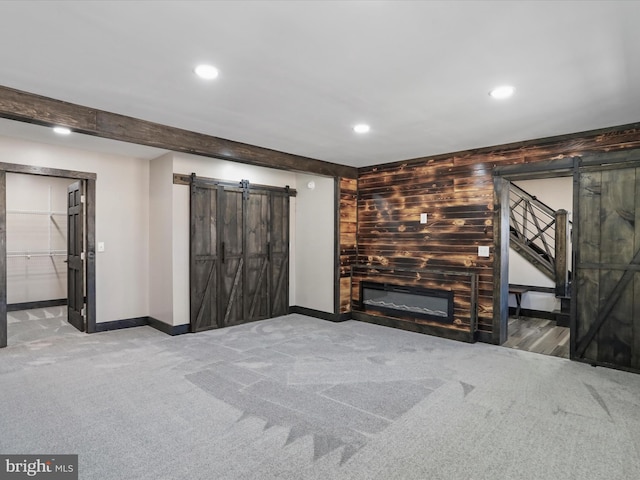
x: 101, y: 246
x: 423, y: 218
x: 483, y: 251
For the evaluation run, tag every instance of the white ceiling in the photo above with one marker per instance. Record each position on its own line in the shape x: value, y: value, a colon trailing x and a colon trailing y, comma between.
x: 296, y: 76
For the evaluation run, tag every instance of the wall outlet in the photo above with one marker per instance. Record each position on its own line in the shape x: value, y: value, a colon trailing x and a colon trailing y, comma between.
x: 101, y: 246
x: 423, y: 218
x: 483, y: 251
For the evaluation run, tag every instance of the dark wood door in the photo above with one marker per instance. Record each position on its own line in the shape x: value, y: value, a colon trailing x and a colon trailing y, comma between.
x: 75, y: 255
x: 279, y: 254
x: 204, y: 258
x: 239, y: 255
x: 607, y: 319
x: 256, y: 237
x: 232, y: 259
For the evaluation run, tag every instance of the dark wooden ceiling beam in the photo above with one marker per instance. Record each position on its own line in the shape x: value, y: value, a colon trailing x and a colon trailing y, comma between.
x: 36, y: 109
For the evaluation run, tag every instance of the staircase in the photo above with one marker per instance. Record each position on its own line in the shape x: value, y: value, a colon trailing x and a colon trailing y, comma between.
x: 539, y: 234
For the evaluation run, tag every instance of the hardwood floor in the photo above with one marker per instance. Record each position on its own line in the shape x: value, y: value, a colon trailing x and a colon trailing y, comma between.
x: 539, y: 336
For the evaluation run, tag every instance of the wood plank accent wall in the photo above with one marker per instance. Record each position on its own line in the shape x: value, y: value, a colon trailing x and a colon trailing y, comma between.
x: 463, y: 284
x: 348, y: 229
x: 457, y: 193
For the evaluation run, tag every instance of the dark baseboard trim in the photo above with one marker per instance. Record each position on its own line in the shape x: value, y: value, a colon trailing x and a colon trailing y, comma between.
x: 166, y: 328
x: 15, y: 307
x: 140, y: 322
x: 485, y: 337
x: 606, y: 365
x: 120, y: 324
x: 310, y: 312
x: 533, y: 313
x: 443, y: 332
x: 561, y: 319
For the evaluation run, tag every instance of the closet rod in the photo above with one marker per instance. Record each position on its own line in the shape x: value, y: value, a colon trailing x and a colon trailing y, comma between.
x: 35, y: 212
x: 29, y: 255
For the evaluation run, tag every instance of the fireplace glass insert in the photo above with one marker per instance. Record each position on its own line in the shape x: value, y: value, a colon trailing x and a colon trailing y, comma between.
x: 398, y: 300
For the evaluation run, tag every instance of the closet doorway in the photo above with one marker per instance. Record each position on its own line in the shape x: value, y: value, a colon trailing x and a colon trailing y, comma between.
x: 239, y: 253
x: 47, y: 254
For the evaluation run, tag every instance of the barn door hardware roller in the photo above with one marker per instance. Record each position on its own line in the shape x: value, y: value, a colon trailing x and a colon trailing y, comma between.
x: 244, y: 184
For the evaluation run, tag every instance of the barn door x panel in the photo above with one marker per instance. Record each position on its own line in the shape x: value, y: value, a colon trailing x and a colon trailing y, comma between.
x: 204, y: 258
x: 607, y: 323
x: 239, y: 255
x: 257, y: 256
x: 279, y: 254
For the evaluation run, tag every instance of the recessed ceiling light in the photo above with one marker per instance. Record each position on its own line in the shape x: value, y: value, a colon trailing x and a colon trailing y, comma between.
x: 361, y: 128
x: 62, y: 130
x: 208, y: 72
x: 503, y: 91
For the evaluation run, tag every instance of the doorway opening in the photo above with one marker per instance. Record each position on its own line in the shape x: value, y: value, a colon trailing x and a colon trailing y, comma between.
x: 47, y: 250
x: 604, y: 301
x: 540, y: 224
x: 37, y: 264
x: 535, y: 258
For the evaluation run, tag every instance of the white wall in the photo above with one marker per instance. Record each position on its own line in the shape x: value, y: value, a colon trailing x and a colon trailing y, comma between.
x: 160, y: 238
x: 141, y: 216
x: 209, y: 168
x: 311, y: 219
x: 315, y: 252
x: 122, y: 220
x: 557, y: 193
x: 36, y: 225
x: 180, y: 254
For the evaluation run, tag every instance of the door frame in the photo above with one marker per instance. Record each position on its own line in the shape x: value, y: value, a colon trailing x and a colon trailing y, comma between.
x: 502, y: 178
x: 90, y: 237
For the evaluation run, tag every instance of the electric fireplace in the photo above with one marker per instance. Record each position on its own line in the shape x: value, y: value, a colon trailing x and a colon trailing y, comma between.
x: 400, y: 300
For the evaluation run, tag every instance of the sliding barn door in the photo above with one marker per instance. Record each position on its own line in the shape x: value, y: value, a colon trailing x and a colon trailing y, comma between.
x: 257, y: 256
x: 204, y: 258
x: 232, y: 257
x: 279, y: 254
x: 607, y: 322
x: 239, y: 255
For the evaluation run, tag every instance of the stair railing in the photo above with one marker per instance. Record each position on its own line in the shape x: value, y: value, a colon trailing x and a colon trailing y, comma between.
x: 540, y: 233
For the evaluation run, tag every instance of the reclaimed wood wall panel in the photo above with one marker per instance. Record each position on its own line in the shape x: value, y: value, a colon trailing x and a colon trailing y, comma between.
x: 348, y: 230
x: 459, y: 210
x: 456, y: 191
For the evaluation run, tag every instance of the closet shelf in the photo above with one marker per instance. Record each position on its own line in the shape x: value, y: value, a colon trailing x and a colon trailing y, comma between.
x: 35, y: 212
x: 52, y: 253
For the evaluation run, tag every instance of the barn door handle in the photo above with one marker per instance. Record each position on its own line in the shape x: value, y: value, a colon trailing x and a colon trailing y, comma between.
x: 222, y: 253
x: 268, y: 251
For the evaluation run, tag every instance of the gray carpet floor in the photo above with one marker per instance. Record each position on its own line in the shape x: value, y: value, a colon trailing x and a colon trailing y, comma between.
x: 39, y: 325
x: 301, y: 398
